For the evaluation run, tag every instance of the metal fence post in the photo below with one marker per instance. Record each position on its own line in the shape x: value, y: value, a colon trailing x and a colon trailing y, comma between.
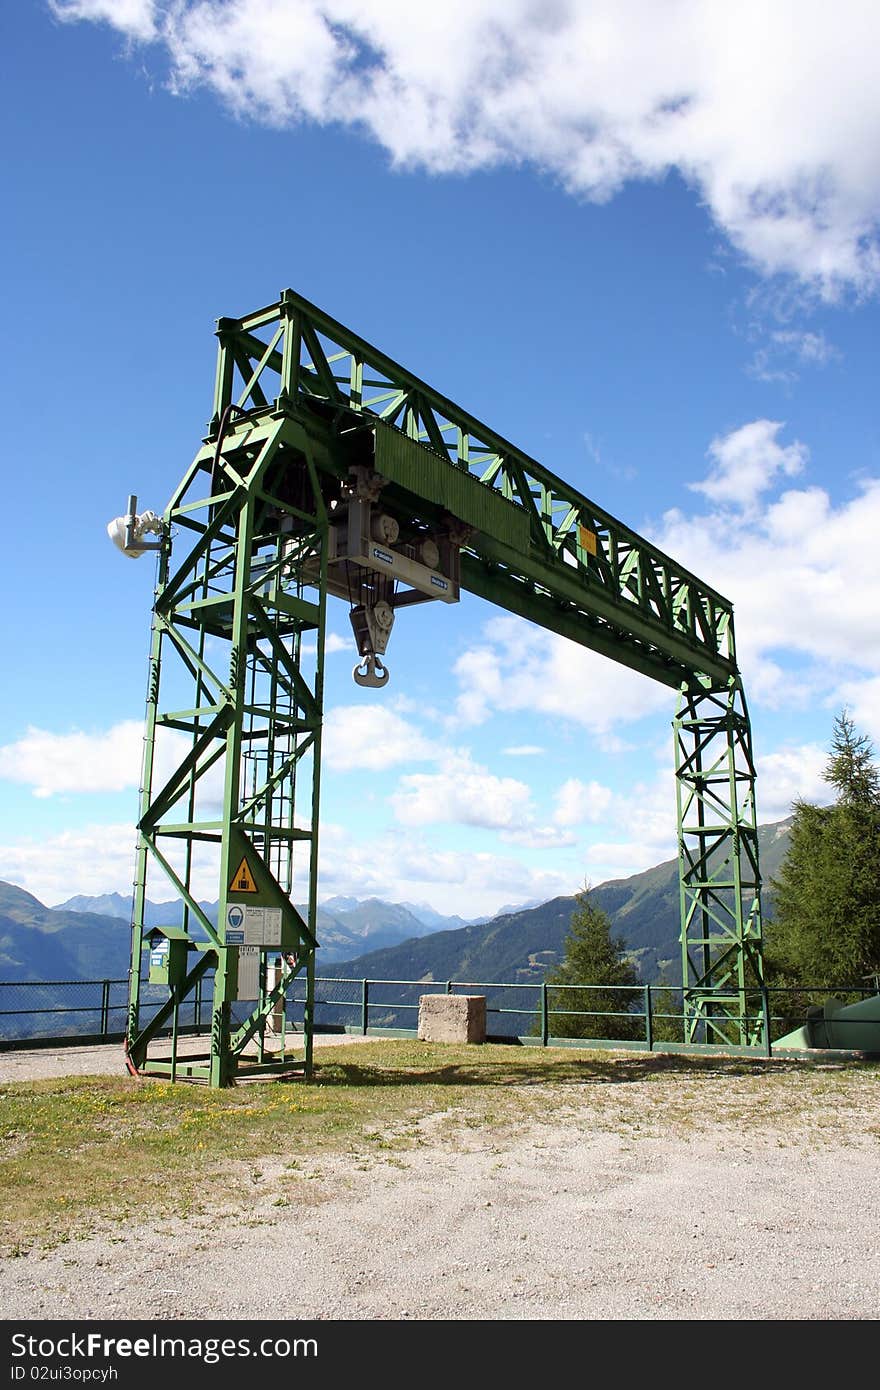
x: 448, y: 986
x: 545, y: 1029
x: 765, y: 1006
x: 105, y: 1008
x: 365, y: 1004
x: 649, y: 1020
x: 175, y: 1020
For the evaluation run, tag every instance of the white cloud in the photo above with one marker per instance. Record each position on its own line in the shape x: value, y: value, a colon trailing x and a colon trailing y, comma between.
x: 778, y: 687
x: 51, y: 763
x: 787, y: 350
x: 746, y: 463
x: 92, y: 860
x: 638, y: 829
x: 642, y: 820
x: 788, y: 775
x: 462, y: 792
x: 623, y: 858
x: 520, y: 667
x: 578, y: 802
x: 372, y: 737
x: 405, y: 867
x: 398, y: 867
x: 524, y: 750
x: 770, y: 112
x: 802, y: 575
x: 97, y: 859
x: 807, y: 348
x: 539, y: 837
x: 135, y: 18
x: 862, y: 699
x: 78, y: 763
x: 333, y: 642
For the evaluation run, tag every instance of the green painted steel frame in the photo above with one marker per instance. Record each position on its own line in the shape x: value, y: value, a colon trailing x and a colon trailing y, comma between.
x: 583, y: 573
x: 293, y: 384
x: 719, y: 874
x: 236, y: 597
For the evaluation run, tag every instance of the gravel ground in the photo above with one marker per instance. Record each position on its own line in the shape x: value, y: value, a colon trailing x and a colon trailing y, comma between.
x: 107, y: 1060
x: 590, y: 1216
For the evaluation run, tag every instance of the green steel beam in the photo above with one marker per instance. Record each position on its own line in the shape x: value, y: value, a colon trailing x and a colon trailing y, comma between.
x: 719, y: 874
x: 570, y: 620
x: 235, y: 579
x: 575, y: 551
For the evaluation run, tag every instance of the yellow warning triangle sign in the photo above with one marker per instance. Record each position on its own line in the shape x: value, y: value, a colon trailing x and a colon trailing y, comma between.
x: 242, y: 880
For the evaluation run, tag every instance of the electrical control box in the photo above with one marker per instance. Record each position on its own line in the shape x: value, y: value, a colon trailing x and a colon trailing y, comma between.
x: 169, y: 947
x: 249, y: 961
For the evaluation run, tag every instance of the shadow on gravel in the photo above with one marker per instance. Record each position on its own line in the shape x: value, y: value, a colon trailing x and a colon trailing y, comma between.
x: 592, y: 1069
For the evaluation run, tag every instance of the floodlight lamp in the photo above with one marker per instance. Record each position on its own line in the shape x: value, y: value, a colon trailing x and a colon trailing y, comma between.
x: 127, y: 532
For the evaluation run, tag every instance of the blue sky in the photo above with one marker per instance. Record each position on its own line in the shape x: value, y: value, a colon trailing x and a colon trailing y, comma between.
x: 639, y: 240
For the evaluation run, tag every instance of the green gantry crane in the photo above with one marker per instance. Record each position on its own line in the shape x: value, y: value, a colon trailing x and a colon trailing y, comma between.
x: 328, y: 469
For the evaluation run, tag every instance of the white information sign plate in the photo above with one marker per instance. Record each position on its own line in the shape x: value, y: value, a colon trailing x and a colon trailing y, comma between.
x: 262, y: 926
x: 253, y: 926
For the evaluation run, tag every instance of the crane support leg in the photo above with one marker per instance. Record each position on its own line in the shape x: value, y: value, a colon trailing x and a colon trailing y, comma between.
x: 234, y: 709
x: 722, y: 968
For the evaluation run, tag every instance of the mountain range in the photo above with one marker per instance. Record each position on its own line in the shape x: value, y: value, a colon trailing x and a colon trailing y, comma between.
x: 44, y: 943
x: 346, y: 926
x: 89, y: 938
x: 519, y: 947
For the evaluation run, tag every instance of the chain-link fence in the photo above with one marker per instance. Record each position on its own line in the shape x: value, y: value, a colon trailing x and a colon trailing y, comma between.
x: 35, y: 1011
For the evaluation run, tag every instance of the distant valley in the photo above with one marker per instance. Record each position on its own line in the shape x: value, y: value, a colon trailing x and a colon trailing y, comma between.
x: 89, y: 938
x: 519, y: 947
x: 346, y: 926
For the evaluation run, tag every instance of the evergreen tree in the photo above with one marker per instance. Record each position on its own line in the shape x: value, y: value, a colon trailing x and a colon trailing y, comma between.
x: 826, y: 927
x: 592, y: 957
x: 851, y: 767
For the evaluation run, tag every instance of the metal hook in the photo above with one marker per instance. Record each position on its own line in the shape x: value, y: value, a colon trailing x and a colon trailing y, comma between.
x: 370, y: 671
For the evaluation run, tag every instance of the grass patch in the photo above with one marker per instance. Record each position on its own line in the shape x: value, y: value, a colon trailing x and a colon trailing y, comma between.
x: 79, y: 1152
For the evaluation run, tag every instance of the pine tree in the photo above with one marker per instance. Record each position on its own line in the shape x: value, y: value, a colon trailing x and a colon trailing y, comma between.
x: 826, y: 927
x: 592, y: 957
x: 851, y: 767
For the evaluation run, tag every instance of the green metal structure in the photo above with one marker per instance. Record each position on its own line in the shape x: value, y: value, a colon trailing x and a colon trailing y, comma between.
x: 329, y: 469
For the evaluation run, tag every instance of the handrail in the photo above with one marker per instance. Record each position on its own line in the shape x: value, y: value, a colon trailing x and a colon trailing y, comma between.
x: 540, y: 1005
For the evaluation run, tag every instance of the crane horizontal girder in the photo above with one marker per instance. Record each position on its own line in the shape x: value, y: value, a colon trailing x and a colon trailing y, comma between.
x: 559, y: 560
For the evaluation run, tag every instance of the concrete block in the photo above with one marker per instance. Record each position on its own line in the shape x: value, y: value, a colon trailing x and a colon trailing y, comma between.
x: 455, y: 1018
